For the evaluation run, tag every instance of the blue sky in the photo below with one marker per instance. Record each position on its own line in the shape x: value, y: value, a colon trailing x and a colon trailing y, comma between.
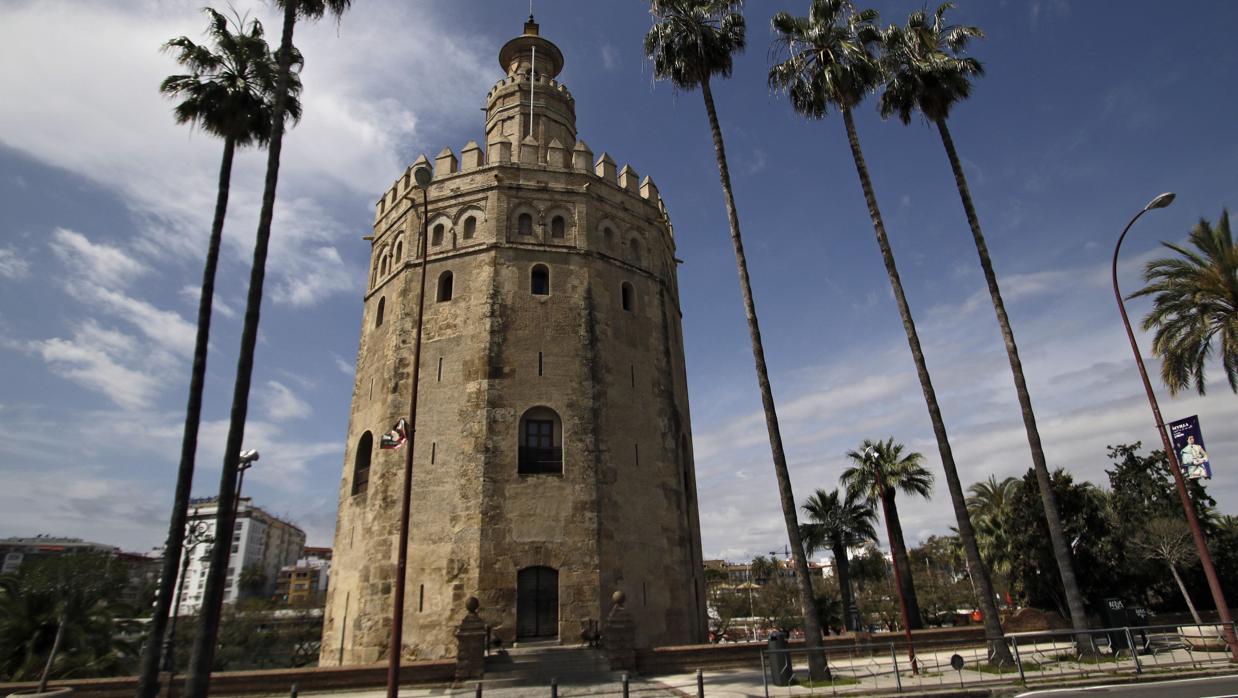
x: 1088, y: 110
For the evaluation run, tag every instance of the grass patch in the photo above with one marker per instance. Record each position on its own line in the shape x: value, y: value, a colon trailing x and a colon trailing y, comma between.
x: 825, y: 683
x: 1087, y: 658
x: 988, y: 668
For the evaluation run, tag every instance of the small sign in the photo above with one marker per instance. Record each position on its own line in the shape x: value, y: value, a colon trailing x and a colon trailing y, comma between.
x: 1188, y: 442
x: 956, y: 662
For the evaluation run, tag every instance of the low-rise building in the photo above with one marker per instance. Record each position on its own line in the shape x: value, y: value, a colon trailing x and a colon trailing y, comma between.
x: 14, y: 552
x: 305, y: 583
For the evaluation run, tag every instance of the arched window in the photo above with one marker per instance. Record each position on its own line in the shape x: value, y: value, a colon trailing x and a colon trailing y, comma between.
x: 628, y: 295
x: 437, y: 238
x: 524, y: 224
x: 608, y: 238
x: 382, y: 270
x: 361, y: 463
x: 470, y: 227
x: 541, y: 442
x: 378, y: 314
x: 634, y: 251
x: 444, y: 286
x: 558, y: 227
x: 399, y: 250
x: 539, y: 280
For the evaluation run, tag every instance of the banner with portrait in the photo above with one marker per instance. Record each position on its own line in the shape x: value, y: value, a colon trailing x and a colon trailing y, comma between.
x: 1189, y: 445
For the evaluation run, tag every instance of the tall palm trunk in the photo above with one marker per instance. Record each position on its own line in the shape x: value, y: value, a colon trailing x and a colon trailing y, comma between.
x: 808, y: 603
x: 1057, y: 535
x: 1185, y: 595
x: 148, y: 681
x: 842, y: 568
x: 199, y: 678
x: 980, y: 574
x: 51, y: 656
x: 898, y: 551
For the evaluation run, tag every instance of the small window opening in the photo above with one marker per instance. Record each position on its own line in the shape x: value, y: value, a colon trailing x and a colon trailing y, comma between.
x: 421, y: 598
x: 382, y: 271
x: 378, y: 314
x: 558, y: 227
x: 636, y: 452
x: 633, y: 368
x: 608, y: 236
x: 541, y: 450
x: 626, y: 293
x: 361, y: 463
x: 440, y: 369
x: 444, y: 286
x: 433, y: 451
x: 437, y: 238
x: 399, y: 250
x: 644, y: 593
x: 470, y: 227
x: 634, y: 247
x: 524, y: 224
x: 539, y: 363
x: 539, y: 281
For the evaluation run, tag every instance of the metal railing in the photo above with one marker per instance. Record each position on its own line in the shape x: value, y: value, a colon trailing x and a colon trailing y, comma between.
x: 1035, y: 657
x: 535, y: 461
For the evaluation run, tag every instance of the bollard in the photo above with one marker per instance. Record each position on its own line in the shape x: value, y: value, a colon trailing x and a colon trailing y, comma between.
x: 554, y: 688
x: 626, y: 679
x: 898, y: 680
x: 478, y: 694
x: 293, y: 692
x: 700, y: 684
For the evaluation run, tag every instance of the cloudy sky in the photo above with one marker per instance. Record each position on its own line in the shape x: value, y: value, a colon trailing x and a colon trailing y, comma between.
x: 1087, y: 111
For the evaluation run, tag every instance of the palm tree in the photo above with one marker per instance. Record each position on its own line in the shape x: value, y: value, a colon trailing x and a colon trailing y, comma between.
x: 1196, y: 302
x: 839, y: 523
x: 198, y: 681
x: 925, y: 71
x: 828, y: 64
x: 690, y: 42
x: 1168, y: 540
x: 229, y: 93
x: 988, y: 503
x: 880, y: 472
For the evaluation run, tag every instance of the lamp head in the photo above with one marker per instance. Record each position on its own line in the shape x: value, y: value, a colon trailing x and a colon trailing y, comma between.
x: 1161, y: 201
x: 422, y: 174
x: 249, y: 456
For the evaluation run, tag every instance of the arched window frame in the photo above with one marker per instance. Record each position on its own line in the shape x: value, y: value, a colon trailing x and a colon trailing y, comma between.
x: 378, y: 314
x: 634, y: 250
x: 627, y: 296
x: 446, y: 283
x: 399, y: 249
x: 540, y: 441
x: 437, y: 233
x: 361, y: 463
x: 539, y: 280
x: 524, y: 223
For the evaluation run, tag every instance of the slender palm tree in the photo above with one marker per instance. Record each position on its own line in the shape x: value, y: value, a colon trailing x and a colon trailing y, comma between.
x: 839, y: 522
x: 827, y: 64
x: 988, y: 503
x: 198, y: 681
x: 880, y: 472
x: 228, y: 92
x: 1196, y: 301
x: 926, y: 71
x: 690, y: 42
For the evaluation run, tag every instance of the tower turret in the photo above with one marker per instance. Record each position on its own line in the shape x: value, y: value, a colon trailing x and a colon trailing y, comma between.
x: 530, y: 94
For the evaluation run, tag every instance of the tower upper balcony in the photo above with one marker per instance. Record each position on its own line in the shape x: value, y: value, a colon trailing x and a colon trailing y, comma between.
x: 529, y: 101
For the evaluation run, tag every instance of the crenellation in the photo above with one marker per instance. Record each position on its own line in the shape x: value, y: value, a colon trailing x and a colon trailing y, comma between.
x: 556, y: 154
x: 628, y: 179
x: 471, y: 156
x: 582, y: 157
x: 445, y: 163
x: 529, y: 150
x: 604, y: 168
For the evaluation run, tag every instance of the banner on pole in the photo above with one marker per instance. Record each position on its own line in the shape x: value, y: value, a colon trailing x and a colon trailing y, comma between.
x: 1189, y: 443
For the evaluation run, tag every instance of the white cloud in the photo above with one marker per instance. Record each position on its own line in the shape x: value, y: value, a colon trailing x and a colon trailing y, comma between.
x: 12, y: 266
x: 193, y: 295
x: 344, y: 367
x: 282, y: 404
x: 610, y: 57
x: 101, y: 263
x: 103, y: 360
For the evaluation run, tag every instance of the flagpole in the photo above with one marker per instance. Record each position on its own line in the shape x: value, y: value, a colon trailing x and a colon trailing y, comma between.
x: 422, y: 174
x: 532, y: 84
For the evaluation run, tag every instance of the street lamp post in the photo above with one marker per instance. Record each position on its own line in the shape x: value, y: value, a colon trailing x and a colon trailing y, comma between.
x: 898, y: 577
x: 1201, y: 545
x: 423, y: 175
x: 247, y: 461
x: 195, y: 533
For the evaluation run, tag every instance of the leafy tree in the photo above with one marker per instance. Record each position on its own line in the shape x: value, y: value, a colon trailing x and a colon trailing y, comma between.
x: 839, y: 523
x: 880, y: 472
x: 1168, y: 540
x: 60, y: 618
x: 253, y: 582
x: 989, y: 505
x: 228, y: 92
x: 926, y: 71
x: 1195, y: 302
x: 690, y: 42
x: 198, y: 682
x: 827, y: 63
x: 941, y: 579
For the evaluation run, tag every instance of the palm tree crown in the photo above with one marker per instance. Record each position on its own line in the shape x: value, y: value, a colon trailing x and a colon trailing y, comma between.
x: 881, y: 470
x: 837, y: 521
x: 989, y: 503
x: 826, y: 60
x: 924, y: 68
x: 1196, y: 301
x: 692, y: 40
x: 229, y: 91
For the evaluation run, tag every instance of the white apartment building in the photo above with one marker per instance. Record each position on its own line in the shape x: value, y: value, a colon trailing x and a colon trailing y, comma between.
x: 259, y: 542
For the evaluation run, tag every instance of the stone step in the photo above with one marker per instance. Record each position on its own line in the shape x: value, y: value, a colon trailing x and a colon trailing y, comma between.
x: 537, y: 666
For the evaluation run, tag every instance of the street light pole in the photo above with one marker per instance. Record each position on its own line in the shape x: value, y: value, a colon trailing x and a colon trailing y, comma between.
x: 422, y: 174
x: 1201, y: 545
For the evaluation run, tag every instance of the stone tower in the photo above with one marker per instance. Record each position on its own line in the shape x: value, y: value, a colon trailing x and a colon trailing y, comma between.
x: 553, y: 461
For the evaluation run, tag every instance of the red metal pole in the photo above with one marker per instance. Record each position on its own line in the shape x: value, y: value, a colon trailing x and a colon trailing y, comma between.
x: 396, y: 644
x: 1201, y: 544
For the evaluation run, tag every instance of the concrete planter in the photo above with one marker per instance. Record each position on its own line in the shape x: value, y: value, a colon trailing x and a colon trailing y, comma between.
x: 1205, y: 638
x: 53, y: 692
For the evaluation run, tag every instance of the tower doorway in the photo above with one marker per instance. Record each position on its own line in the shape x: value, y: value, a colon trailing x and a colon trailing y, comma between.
x: 537, y: 603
